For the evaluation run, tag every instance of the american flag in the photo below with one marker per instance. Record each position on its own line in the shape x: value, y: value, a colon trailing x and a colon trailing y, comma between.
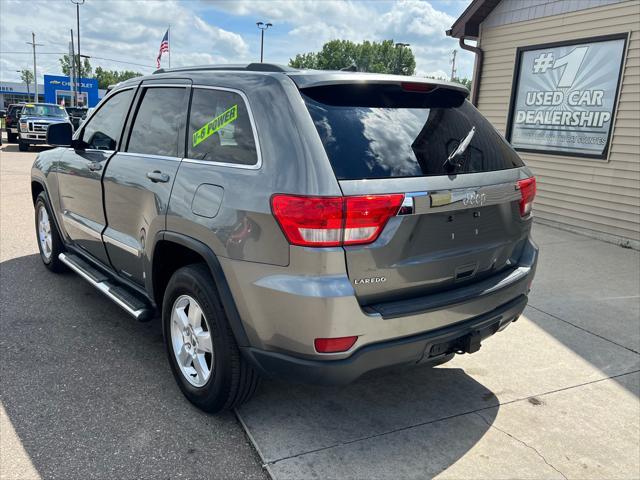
x: 164, y: 47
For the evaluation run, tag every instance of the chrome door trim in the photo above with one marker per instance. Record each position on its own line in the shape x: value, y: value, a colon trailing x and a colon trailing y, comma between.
x: 69, y: 220
x: 121, y: 245
x: 255, y: 166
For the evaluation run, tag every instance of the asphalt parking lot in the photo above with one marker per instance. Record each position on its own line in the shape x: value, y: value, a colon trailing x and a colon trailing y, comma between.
x: 87, y: 393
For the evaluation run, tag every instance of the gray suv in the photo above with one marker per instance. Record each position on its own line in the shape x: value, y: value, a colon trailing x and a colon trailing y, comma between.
x: 307, y: 225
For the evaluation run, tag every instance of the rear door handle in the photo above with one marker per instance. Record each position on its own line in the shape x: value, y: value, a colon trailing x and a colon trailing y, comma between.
x: 157, y: 176
x: 95, y: 166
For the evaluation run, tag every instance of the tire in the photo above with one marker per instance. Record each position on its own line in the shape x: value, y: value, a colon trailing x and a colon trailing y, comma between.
x: 12, y: 137
x: 23, y: 147
x: 49, y: 250
x: 231, y: 381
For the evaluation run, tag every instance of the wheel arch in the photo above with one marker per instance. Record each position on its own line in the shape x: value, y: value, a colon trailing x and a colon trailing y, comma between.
x: 189, y: 250
x: 37, y: 187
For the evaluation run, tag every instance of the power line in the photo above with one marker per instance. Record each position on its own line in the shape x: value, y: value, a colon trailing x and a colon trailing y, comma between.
x: 39, y: 53
x: 121, y: 61
x: 90, y: 56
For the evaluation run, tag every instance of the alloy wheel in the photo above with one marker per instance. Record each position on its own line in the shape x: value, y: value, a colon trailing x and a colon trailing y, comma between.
x: 44, y: 233
x: 191, y: 341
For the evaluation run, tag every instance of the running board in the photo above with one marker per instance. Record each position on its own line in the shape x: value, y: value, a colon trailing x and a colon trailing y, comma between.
x: 131, y: 302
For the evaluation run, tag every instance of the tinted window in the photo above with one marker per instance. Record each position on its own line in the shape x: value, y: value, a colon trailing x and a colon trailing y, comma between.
x: 103, y: 130
x: 156, y: 127
x: 220, y: 128
x: 387, y: 141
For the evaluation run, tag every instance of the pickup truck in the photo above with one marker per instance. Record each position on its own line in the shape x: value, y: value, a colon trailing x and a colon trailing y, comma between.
x: 34, y: 120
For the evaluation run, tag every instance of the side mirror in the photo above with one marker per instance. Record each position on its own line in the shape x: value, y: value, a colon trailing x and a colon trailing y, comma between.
x: 59, y: 134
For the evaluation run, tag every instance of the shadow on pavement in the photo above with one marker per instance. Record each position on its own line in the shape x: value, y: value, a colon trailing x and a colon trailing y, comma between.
x: 303, y: 418
x: 13, y: 147
x: 89, y: 392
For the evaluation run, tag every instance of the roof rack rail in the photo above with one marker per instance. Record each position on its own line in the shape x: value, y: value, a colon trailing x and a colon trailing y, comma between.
x: 252, y: 67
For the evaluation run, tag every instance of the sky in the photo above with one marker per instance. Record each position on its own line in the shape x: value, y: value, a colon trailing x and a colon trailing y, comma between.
x: 219, y: 31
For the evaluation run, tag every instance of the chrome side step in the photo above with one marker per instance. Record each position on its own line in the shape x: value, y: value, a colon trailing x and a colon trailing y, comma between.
x: 130, y: 302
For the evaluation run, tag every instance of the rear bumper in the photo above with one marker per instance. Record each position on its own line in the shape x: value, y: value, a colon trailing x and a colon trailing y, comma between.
x: 282, y: 311
x: 423, y: 348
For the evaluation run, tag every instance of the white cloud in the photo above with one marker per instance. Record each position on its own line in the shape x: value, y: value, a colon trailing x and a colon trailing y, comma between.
x: 203, y: 31
x: 129, y: 31
x: 309, y: 24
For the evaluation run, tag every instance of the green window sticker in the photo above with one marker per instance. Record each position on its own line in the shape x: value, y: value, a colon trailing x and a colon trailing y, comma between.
x: 225, y: 118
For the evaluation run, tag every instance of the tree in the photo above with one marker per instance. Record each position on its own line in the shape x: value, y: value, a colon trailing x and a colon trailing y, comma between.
x: 85, y: 68
x: 378, y: 57
x: 463, y: 81
x: 111, y: 77
x: 26, y: 76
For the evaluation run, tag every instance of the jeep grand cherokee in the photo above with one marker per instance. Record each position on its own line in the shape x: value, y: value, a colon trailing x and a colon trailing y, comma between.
x: 302, y: 224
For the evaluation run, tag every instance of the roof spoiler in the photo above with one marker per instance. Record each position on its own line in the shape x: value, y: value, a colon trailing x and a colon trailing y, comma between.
x: 321, y: 79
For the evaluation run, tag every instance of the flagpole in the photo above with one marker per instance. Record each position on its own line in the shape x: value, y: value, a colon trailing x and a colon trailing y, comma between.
x: 169, y: 41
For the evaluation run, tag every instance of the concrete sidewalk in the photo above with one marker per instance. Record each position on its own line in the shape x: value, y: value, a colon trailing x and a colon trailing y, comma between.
x: 553, y: 396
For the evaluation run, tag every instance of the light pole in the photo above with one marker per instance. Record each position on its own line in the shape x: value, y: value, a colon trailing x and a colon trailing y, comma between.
x: 400, y: 46
x: 78, y: 87
x: 262, y: 26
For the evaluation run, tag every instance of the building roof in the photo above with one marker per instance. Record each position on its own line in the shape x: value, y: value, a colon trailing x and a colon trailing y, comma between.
x: 468, y: 24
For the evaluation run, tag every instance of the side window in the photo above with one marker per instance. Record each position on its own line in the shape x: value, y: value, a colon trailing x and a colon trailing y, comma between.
x: 156, y: 128
x: 220, y: 129
x: 103, y: 130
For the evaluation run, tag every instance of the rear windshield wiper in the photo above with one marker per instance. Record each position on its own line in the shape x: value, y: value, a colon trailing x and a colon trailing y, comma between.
x: 461, y: 149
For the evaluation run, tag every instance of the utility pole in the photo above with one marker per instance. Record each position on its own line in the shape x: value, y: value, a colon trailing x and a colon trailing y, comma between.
x: 72, y: 71
x: 262, y: 26
x: 35, y: 73
x: 78, y: 86
x: 77, y: 4
x: 453, y: 64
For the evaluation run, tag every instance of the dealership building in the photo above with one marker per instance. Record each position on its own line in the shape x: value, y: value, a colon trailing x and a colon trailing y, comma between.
x: 55, y: 89
x: 561, y: 80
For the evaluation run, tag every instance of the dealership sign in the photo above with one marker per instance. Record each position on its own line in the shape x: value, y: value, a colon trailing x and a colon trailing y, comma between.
x: 564, y: 96
x: 58, y: 89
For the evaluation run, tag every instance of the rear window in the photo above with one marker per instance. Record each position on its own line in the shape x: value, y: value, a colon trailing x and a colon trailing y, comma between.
x: 391, y: 136
x: 220, y: 128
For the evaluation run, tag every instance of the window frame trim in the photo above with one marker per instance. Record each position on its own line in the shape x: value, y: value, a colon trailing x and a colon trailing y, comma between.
x: 103, y: 102
x: 255, y: 166
x: 131, y: 119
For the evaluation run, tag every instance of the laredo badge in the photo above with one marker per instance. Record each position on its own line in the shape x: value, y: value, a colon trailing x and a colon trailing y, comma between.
x: 225, y: 118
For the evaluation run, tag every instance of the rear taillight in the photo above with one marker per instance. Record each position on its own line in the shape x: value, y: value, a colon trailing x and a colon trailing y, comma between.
x: 334, y: 345
x: 334, y: 221
x: 527, y: 189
